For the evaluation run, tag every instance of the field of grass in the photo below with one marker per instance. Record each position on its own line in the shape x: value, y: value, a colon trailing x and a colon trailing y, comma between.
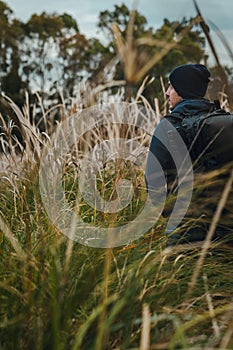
x: 56, y: 293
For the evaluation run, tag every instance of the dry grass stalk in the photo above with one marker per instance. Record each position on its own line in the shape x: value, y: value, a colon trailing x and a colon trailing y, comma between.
x: 146, y: 326
x: 211, y: 308
x: 129, y: 53
x: 221, y: 71
x: 13, y: 240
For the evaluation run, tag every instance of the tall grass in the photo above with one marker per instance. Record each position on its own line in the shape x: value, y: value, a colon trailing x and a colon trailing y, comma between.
x: 59, y: 294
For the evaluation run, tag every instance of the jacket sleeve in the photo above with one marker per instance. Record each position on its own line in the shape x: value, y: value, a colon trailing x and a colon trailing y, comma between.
x: 160, y: 167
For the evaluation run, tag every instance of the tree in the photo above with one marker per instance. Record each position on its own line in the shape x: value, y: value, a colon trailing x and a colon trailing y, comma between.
x: 130, y: 27
x: 186, y: 45
x: 121, y: 15
x: 49, y: 50
x: 73, y: 49
x: 56, y: 53
x: 42, y: 34
x: 11, y: 33
x: 139, y: 47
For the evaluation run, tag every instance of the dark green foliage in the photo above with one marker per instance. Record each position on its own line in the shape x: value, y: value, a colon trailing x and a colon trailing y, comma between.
x: 33, y: 66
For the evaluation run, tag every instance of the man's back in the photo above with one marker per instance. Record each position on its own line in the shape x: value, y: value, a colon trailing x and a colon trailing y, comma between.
x: 188, y: 84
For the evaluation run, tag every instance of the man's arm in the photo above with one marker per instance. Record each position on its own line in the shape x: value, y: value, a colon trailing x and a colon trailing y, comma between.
x: 159, y: 161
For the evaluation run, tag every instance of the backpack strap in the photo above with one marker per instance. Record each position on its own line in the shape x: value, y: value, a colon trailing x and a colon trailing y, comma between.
x: 189, y: 127
x: 217, y: 104
x: 183, y: 122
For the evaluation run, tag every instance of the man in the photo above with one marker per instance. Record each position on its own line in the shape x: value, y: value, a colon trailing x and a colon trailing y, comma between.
x: 186, y: 96
x: 187, y: 87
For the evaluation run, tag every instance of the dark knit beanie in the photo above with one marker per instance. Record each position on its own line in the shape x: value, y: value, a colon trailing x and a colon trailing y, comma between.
x: 190, y: 80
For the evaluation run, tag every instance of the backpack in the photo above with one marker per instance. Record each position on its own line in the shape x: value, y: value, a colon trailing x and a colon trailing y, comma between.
x: 208, y: 137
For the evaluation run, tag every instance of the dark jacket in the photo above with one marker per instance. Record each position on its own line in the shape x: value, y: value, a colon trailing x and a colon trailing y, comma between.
x: 166, y: 146
x: 167, y: 154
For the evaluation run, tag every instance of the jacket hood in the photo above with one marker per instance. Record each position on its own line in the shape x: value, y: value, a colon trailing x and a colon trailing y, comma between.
x: 187, y: 106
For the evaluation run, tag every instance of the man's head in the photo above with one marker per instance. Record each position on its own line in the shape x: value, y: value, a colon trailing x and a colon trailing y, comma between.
x: 189, y: 81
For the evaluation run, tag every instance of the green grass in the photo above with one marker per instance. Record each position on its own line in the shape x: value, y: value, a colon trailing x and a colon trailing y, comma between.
x: 58, y: 294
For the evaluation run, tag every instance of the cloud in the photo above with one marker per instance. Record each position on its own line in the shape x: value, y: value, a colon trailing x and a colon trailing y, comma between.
x: 86, y: 12
x: 154, y: 10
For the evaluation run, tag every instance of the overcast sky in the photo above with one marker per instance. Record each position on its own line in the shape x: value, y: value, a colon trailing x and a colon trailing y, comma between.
x: 86, y: 12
